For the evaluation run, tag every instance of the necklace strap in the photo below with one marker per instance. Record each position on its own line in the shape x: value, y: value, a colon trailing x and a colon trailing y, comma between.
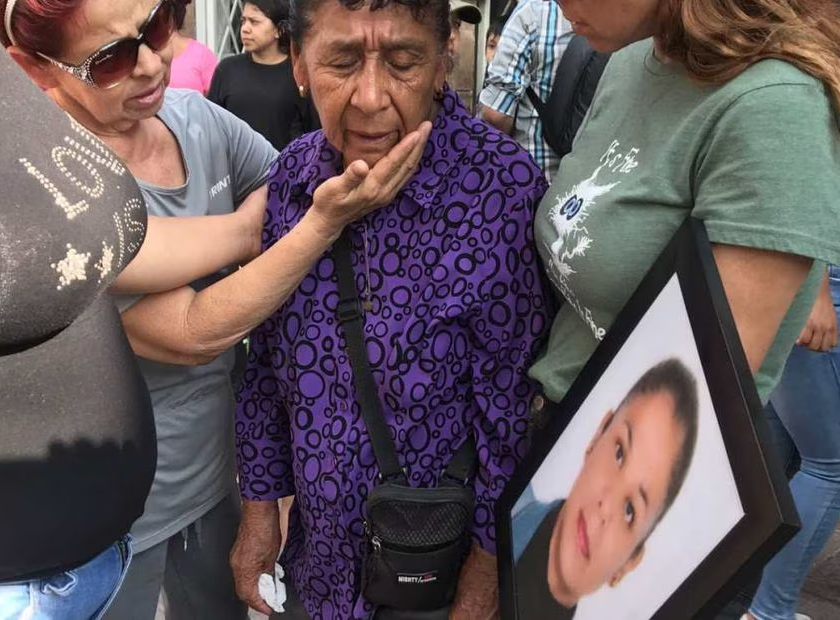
x: 367, y: 299
x: 7, y: 20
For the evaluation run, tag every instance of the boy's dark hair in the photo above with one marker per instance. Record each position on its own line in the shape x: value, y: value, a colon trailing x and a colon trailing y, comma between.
x: 278, y: 12
x: 301, y: 14
x: 494, y: 29
x: 673, y: 377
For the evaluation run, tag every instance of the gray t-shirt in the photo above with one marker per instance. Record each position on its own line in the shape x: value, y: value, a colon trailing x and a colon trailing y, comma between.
x: 225, y: 160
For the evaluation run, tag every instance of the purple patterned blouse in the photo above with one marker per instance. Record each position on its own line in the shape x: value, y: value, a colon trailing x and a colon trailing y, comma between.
x: 458, y: 316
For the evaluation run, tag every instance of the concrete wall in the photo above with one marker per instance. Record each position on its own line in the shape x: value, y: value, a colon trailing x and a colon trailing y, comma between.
x: 463, y: 77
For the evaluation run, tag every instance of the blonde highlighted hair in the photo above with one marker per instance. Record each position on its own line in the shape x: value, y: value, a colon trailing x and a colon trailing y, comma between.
x: 718, y: 39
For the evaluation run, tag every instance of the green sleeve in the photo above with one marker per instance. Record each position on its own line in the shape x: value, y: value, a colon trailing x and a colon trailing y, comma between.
x: 769, y: 176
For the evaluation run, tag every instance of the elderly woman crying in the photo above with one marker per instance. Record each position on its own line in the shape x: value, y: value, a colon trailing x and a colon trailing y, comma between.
x: 453, y: 315
x: 106, y: 63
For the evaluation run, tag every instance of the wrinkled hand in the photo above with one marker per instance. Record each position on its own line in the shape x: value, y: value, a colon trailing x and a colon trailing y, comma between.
x: 820, y: 331
x: 255, y: 551
x: 361, y: 189
x: 477, y: 597
x: 251, y: 213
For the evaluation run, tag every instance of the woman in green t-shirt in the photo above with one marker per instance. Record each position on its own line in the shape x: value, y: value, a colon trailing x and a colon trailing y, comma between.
x: 724, y: 110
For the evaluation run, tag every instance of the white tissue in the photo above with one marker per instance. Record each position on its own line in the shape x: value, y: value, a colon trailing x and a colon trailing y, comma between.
x: 272, y: 589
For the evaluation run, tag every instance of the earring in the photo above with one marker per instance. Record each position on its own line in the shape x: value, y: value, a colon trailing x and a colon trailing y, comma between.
x: 302, y: 90
x: 439, y: 94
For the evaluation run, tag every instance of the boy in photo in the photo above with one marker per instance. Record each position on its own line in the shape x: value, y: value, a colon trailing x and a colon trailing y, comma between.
x: 632, y: 471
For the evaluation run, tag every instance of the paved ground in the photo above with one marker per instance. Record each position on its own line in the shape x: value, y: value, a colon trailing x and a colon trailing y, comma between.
x: 820, y: 596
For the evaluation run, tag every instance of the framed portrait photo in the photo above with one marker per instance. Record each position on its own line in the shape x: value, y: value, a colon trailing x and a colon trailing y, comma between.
x: 647, y: 493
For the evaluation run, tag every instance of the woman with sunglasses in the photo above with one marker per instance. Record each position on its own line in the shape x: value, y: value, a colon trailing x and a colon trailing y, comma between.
x: 106, y: 63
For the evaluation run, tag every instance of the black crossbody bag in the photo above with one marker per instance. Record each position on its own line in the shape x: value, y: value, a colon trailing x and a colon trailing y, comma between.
x: 417, y: 538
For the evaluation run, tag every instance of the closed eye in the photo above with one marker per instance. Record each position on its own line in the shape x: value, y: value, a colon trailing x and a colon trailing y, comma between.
x: 400, y: 66
x: 402, y: 59
x: 342, y: 64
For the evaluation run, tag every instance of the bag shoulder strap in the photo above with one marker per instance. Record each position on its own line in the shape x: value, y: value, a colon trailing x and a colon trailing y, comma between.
x: 462, y: 465
x: 350, y: 318
x: 577, y: 73
x: 538, y: 104
x: 583, y: 94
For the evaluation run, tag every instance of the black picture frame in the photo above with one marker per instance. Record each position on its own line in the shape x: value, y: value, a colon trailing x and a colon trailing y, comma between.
x: 769, y: 519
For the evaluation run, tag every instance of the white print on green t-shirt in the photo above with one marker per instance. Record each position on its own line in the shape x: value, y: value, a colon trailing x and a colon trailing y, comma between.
x: 568, y: 217
x: 616, y: 161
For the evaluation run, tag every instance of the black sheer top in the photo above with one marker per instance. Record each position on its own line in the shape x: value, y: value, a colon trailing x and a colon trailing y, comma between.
x: 77, y: 442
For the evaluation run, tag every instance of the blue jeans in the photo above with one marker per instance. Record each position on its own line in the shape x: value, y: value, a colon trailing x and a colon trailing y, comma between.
x: 804, y: 416
x: 82, y: 593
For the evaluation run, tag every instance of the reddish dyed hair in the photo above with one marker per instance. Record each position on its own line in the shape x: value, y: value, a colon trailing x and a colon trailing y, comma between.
x: 38, y: 25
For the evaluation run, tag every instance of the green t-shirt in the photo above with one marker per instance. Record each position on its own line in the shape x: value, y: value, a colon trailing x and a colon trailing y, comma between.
x: 758, y: 159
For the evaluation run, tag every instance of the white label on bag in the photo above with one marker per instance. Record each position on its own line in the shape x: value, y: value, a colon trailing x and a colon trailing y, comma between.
x: 417, y: 579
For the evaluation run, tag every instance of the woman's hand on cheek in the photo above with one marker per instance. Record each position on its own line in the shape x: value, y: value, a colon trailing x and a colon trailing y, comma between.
x: 360, y: 189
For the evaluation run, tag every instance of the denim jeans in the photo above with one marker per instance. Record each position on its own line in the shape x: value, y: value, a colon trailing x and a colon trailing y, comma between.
x: 804, y: 416
x: 82, y: 593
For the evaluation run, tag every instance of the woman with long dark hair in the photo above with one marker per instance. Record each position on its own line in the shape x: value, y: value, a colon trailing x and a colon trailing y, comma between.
x: 258, y: 85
